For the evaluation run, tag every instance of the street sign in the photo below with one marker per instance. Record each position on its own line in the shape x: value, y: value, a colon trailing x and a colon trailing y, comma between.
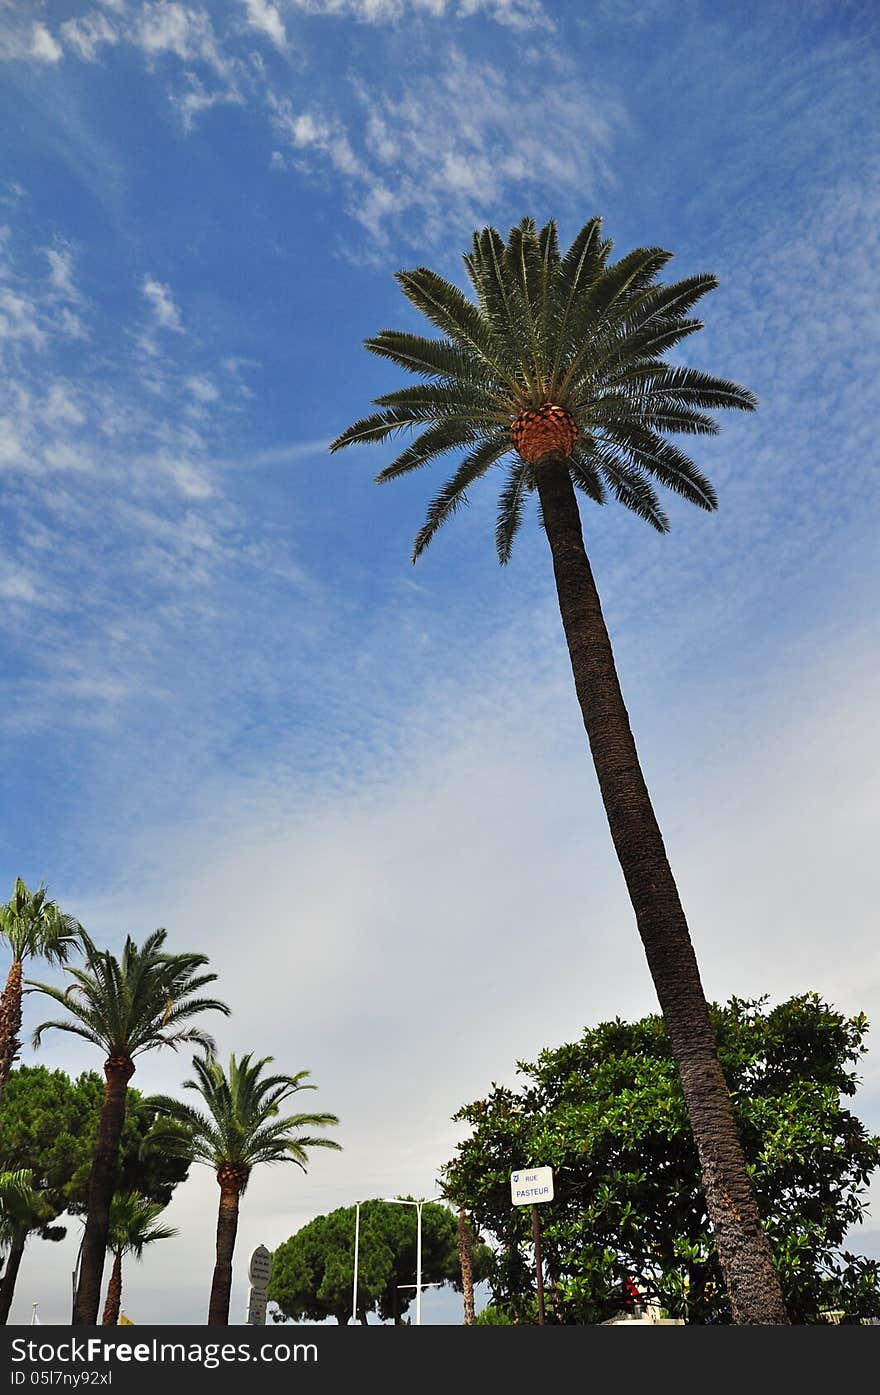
x: 531, y: 1187
x: 256, y: 1308
x: 260, y: 1268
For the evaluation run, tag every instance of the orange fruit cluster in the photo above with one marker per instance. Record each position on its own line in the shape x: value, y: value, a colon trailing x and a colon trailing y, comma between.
x: 548, y: 430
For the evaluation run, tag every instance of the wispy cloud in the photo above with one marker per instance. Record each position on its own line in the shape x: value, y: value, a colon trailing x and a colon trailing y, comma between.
x: 161, y: 302
x: 43, y: 47
x: 86, y: 35
x: 514, y: 14
x: 420, y: 159
x: 114, y: 510
x: 266, y: 19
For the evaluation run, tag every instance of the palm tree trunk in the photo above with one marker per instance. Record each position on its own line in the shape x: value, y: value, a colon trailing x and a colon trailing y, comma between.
x: 744, y: 1253
x: 10, y: 1022
x: 10, y: 1274
x: 227, y: 1227
x: 467, y: 1269
x: 114, y: 1293
x: 118, y: 1070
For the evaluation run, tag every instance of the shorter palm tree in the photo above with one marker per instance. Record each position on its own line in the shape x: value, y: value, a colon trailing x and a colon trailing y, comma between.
x: 33, y: 927
x: 241, y: 1127
x: 134, y: 1224
x: 24, y: 1210
x: 126, y: 1006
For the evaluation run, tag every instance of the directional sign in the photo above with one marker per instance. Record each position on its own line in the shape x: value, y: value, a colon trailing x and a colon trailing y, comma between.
x: 531, y: 1186
x: 260, y: 1268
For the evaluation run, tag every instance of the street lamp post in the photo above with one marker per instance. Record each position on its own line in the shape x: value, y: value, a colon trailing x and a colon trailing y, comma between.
x: 400, y: 1201
x: 354, y: 1286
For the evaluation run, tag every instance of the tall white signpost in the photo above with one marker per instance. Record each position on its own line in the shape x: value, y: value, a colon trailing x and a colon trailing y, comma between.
x: 259, y: 1274
x: 531, y: 1187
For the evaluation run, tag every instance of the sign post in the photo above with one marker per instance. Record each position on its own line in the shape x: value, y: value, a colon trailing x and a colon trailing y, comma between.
x: 259, y: 1274
x: 532, y: 1187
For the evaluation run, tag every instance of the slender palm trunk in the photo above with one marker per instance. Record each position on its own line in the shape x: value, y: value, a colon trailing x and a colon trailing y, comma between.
x: 10, y: 1022
x: 118, y: 1070
x: 467, y: 1270
x: 114, y: 1293
x: 231, y: 1183
x: 744, y: 1253
x: 10, y: 1274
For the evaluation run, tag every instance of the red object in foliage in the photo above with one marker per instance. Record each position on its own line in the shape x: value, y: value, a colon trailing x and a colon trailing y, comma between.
x: 632, y: 1295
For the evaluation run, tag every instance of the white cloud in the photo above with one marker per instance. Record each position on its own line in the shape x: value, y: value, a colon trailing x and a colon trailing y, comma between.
x: 168, y: 27
x: 16, y: 585
x: 202, y: 389
x: 264, y: 17
x: 61, y: 260
x: 161, y: 301
x: 62, y: 407
x: 87, y: 34
x: 195, y: 98
x: 426, y: 161
x: 20, y: 319
x: 192, y: 482
x: 11, y: 448
x: 43, y: 47
x: 514, y: 14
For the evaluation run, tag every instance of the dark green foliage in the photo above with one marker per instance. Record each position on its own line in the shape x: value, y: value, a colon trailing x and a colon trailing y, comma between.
x: 607, y: 1114
x: 313, y: 1271
x: 49, y: 1124
x: 576, y: 330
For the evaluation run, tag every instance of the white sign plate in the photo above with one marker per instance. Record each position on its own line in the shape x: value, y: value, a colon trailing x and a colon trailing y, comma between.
x: 260, y: 1268
x: 256, y: 1309
x: 531, y: 1186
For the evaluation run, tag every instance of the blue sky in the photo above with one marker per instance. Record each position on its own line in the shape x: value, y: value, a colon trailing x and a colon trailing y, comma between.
x: 230, y: 706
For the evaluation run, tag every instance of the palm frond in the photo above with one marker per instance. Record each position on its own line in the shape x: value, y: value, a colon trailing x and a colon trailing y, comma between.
x: 451, y: 311
x: 630, y: 488
x: 445, y: 435
x: 432, y: 358
x: 454, y: 493
x: 510, y: 509
x: 134, y: 1003
x: 501, y: 301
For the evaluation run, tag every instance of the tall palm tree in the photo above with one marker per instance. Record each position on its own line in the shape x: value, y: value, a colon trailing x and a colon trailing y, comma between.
x: 126, y: 1006
x: 559, y: 365
x: 33, y: 927
x: 241, y: 1126
x: 134, y: 1224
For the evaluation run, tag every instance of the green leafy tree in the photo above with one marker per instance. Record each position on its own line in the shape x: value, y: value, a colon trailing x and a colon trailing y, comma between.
x: 240, y: 1128
x: 134, y: 1224
x: 607, y: 1113
x: 313, y: 1271
x: 557, y: 367
x: 49, y: 1126
x: 125, y: 1006
x: 34, y: 928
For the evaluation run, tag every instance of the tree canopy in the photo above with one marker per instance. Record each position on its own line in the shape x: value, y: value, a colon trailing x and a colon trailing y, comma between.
x: 49, y: 1124
x: 607, y: 1113
x: 313, y: 1271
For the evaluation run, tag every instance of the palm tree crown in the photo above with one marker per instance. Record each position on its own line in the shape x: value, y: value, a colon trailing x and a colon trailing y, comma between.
x: 560, y: 355
x: 33, y: 926
x: 133, y: 1004
x: 134, y: 1224
x: 241, y: 1125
